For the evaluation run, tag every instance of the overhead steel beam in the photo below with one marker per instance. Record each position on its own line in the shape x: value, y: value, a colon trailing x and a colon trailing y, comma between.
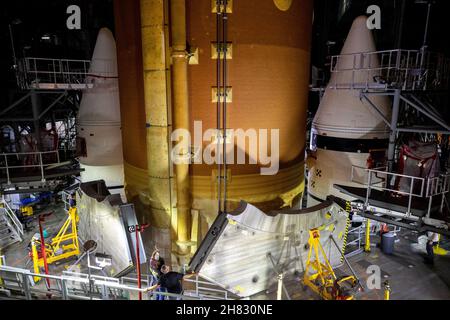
x: 30, y: 190
x: 425, y: 113
x: 36, y: 108
x: 64, y: 94
x: 405, y: 225
x: 431, y: 107
x: 56, y: 91
x: 15, y: 104
x: 419, y: 130
x: 380, y: 93
x: 383, y: 219
x: 431, y: 110
x: 393, y: 126
x: 382, y: 116
x: 16, y: 119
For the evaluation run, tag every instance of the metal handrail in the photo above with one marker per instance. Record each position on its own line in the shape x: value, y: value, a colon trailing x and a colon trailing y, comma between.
x: 64, y: 280
x: 28, y: 153
x: 410, y: 194
x: 438, y: 185
x: 199, y: 289
x: 429, y: 187
x: 398, y: 175
x: 364, y: 54
x: 75, y: 274
x: 40, y: 165
x: 409, y: 69
x: 354, y: 167
x: 13, y: 218
x: 206, y: 290
x: 393, y: 63
x: 55, y: 72
x: 35, y: 71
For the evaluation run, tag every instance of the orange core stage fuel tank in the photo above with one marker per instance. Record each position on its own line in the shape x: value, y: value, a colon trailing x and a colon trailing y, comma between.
x: 268, y: 65
x: 268, y: 60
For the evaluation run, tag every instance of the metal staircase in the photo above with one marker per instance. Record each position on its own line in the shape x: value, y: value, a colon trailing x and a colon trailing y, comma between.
x: 11, y: 230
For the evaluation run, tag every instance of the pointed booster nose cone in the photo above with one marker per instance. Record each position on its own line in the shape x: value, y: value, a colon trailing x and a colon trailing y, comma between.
x: 342, y: 113
x: 345, y: 126
x: 104, y: 59
x: 99, y: 115
x: 360, y: 38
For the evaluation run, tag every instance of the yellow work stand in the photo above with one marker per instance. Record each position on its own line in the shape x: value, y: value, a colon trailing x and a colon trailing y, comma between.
x: 319, y: 275
x: 64, y: 245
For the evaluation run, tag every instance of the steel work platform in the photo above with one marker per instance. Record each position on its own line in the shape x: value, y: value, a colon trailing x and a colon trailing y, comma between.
x: 34, y: 170
x: 395, y: 202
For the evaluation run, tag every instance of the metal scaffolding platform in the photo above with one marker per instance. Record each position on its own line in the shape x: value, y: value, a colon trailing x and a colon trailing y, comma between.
x: 411, y: 77
x: 48, y: 87
x: 54, y: 74
x: 408, y: 70
x: 423, y: 207
x: 37, y: 170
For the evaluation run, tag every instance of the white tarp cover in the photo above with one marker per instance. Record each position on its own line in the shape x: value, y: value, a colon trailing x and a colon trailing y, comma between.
x: 418, y: 160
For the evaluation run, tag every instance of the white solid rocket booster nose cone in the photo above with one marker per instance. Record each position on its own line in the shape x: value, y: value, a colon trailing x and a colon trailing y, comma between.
x: 341, y: 112
x: 99, y: 116
x: 345, y: 127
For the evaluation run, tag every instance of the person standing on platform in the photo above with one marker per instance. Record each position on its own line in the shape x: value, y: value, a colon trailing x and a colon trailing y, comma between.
x: 156, y: 263
x: 171, y: 281
x: 433, y: 240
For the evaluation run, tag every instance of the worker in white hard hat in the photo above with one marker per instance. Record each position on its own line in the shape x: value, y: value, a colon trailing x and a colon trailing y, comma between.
x: 433, y: 240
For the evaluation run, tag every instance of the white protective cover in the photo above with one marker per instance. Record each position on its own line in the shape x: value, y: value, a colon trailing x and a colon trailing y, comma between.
x: 418, y: 160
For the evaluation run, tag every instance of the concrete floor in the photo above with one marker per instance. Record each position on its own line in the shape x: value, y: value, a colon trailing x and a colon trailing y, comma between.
x: 409, y: 277
x: 17, y: 254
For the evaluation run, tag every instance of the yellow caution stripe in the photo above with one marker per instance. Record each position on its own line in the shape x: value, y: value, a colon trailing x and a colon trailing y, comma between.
x: 348, y: 209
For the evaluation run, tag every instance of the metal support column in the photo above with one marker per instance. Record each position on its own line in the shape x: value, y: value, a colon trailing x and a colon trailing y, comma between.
x: 26, y: 287
x: 393, y: 134
x: 180, y: 61
x: 64, y: 290
x: 1, y: 262
x: 367, y: 242
x: 36, y: 108
x: 387, y: 290
x: 280, y: 287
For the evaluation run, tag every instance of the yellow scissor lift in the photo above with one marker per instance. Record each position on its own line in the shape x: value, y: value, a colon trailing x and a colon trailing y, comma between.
x: 320, y: 276
x: 64, y: 245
